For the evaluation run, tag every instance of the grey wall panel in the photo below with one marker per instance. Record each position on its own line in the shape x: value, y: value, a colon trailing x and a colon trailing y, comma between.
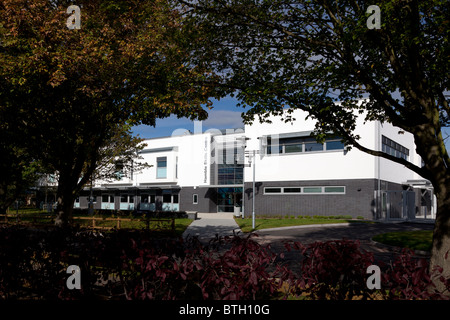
x: 358, y: 199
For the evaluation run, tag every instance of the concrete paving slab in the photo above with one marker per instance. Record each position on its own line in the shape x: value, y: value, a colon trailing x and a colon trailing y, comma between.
x: 208, y: 225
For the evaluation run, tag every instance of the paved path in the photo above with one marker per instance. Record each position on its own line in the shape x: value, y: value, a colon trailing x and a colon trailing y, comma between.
x: 355, y: 231
x: 360, y: 231
x: 208, y: 225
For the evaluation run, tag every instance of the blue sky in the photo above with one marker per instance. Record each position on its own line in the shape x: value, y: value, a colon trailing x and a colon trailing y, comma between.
x: 224, y: 115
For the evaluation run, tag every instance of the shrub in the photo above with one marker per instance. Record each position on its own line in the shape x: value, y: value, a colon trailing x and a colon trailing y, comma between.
x: 408, y: 278
x: 337, y: 270
x: 134, y: 265
x: 197, y: 271
x: 240, y: 272
x: 332, y: 270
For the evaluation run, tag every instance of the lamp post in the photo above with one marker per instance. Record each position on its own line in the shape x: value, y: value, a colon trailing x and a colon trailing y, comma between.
x: 243, y: 140
x: 252, y: 154
x: 253, y: 204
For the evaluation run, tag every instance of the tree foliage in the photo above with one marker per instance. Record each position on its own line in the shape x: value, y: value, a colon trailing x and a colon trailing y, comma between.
x: 309, y: 55
x: 76, y: 90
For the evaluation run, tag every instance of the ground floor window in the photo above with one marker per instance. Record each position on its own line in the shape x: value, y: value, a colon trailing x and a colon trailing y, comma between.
x: 126, y: 202
x: 107, y: 202
x: 147, y: 202
x: 305, y: 190
x: 77, y: 202
x: 170, y: 201
x: 146, y: 198
x: 167, y: 198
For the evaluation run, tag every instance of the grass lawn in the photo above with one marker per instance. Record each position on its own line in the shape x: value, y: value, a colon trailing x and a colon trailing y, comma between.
x: 180, y: 224
x: 26, y: 215
x: 415, y: 240
x: 265, y: 223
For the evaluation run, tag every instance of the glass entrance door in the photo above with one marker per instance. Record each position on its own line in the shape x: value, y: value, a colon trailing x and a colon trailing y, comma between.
x: 227, y: 198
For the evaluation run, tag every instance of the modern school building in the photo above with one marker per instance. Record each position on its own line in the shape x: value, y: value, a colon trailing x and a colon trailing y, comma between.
x: 278, y: 164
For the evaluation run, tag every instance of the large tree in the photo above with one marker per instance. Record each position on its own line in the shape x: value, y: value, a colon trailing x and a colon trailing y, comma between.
x: 75, y: 90
x: 309, y: 54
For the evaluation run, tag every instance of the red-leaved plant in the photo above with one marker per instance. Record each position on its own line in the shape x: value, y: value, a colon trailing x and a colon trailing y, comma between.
x: 332, y: 270
x: 408, y: 278
x: 337, y: 270
x: 135, y: 265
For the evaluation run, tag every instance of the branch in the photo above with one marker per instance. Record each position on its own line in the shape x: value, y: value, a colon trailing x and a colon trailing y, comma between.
x: 420, y: 171
x: 352, y: 141
x: 272, y: 25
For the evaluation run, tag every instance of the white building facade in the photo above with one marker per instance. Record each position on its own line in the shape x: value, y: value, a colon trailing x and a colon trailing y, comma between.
x: 212, y: 171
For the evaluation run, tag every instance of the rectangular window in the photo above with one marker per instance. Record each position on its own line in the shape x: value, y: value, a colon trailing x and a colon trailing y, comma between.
x: 175, y: 198
x: 393, y: 148
x: 312, y: 190
x: 167, y: 198
x: 292, y: 148
x: 305, y: 190
x: 334, y: 145
x: 303, y: 144
x: 230, y: 168
x: 119, y: 171
x: 272, y: 190
x: 314, y: 146
x: 334, y: 189
x: 127, y: 202
x: 161, y: 167
x: 107, y: 199
x: 195, y: 198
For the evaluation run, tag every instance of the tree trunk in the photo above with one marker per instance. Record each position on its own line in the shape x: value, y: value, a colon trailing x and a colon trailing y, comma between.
x: 69, y: 185
x: 430, y: 146
x: 65, y: 201
x: 440, y: 257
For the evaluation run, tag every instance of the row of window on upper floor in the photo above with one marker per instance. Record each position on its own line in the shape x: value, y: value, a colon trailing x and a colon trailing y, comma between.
x: 393, y: 148
x: 293, y: 145
x: 309, y: 144
x: 302, y: 144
